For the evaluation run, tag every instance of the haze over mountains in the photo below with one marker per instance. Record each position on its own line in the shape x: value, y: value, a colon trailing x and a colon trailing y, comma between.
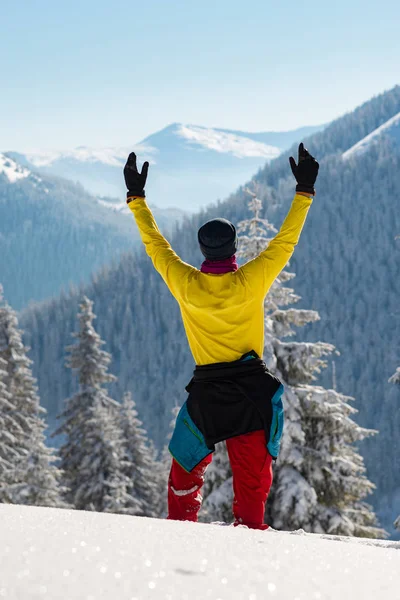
x: 347, y: 266
x: 191, y: 166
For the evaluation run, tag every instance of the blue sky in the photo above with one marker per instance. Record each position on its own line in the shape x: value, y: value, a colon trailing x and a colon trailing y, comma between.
x: 110, y: 72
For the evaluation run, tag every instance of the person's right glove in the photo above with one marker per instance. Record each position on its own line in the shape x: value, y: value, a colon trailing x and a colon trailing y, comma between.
x: 305, y: 172
x: 134, y: 180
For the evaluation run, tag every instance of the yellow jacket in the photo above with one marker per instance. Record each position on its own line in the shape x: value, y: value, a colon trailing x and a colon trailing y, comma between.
x: 223, y: 315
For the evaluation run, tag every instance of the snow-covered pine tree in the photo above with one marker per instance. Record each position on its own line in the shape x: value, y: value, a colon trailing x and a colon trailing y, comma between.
x: 104, y: 483
x: 319, y: 478
x: 30, y: 476
x: 9, y: 433
x: 333, y: 465
x: 41, y: 485
x: 141, y: 469
x: 92, y: 456
x: 395, y: 378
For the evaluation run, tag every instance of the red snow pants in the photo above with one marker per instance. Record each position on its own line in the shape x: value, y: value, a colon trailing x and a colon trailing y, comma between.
x: 252, y: 479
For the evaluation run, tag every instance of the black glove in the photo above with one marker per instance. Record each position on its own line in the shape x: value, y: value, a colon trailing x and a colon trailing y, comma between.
x: 305, y: 172
x: 134, y: 180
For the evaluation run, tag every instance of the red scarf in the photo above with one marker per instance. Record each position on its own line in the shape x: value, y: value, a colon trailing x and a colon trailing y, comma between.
x: 218, y: 267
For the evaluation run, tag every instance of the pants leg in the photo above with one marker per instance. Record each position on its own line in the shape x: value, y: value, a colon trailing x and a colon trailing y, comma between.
x: 184, y: 491
x: 252, y: 477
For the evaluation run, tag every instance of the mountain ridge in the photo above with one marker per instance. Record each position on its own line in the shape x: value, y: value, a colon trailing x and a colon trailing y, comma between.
x: 54, y: 234
x: 178, y: 154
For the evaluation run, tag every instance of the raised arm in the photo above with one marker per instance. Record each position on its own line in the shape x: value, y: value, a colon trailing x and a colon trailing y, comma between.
x: 263, y: 270
x: 172, y: 269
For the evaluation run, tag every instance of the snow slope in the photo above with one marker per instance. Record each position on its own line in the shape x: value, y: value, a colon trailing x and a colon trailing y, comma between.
x: 12, y: 170
x: 56, y: 554
x: 391, y: 128
x: 239, y: 145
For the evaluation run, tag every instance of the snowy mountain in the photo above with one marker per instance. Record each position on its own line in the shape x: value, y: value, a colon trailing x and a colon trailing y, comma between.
x: 191, y: 166
x: 52, y: 554
x: 12, y: 170
x: 389, y: 130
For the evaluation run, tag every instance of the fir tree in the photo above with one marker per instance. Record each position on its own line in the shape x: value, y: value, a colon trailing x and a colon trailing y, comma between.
x: 103, y: 483
x: 92, y: 456
x: 333, y: 466
x: 10, y: 431
x: 30, y: 477
x: 41, y: 485
x: 141, y: 468
x: 320, y: 480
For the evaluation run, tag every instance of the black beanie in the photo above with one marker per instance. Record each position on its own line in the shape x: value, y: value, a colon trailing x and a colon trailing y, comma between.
x: 217, y: 239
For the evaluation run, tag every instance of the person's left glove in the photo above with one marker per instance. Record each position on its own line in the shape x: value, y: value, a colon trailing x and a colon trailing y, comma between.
x: 135, y: 181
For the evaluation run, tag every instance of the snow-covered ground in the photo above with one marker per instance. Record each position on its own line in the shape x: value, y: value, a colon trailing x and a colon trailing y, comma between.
x: 53, y: 554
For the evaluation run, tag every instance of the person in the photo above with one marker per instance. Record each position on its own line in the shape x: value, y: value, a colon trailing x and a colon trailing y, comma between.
x: 232, y: 395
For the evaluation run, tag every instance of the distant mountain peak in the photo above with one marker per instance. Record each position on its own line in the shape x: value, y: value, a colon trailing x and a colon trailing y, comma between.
x: 226, y: 142
x: 12, y: 170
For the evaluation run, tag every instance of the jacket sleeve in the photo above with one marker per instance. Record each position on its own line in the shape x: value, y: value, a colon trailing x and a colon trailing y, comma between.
x: 262, y: 271
x: 171, y: 268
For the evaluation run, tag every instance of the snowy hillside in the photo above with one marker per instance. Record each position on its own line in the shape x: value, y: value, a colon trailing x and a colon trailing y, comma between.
x: 12, y: 170
x: 220, y: 141
x: 391, y: 129
x: 192, y: 166
x: 58, y: 554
